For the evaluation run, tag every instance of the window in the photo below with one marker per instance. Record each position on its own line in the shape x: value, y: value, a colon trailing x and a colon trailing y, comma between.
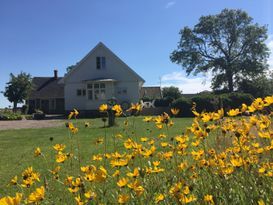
x: 96, y: 91
x: 100, y: 62
x: 79, y: 92
x: 83, y: 92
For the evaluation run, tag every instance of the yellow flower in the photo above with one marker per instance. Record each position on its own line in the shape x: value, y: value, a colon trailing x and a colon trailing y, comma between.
x: 117, y: 109
x: 37, y: 196
x: 8, y: 200
x: 134, y: 174
x: 103, y: 108
x: 233, y: 112
x: 90, y: 195
x: 143, y: 139
x: 175, y: 111
x: 14, y: 180
x: 76, y: 113
x: 159, y: 198
x: 37, y: 152
x: 71, y: 114
x: 123, y: 198
x: 148, y: 119
x: 135, y: 107
x: 59, y: 147
x: 79, y: 200
x: 209, y: 199
x: 116, y: 173
x: 187, y: 199
x: 261, y: 202
x: 159, y: 126
x: 61, y: 157
x: 122, y: 182
x: 244, y: 108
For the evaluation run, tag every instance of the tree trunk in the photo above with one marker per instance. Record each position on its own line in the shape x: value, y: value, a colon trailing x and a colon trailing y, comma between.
x: 230, y: 80
x: 14, y: 106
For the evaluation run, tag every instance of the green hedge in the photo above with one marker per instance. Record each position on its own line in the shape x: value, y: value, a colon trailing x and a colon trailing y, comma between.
x: 211, y: 102
x: 208, y: 102
x: 184, y: 104
x: 235, y: 100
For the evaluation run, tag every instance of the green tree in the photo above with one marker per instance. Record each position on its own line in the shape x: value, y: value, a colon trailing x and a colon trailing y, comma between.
x: 228, y: 44
x: 260, y: 86
x: 171, y: 92
x: 18, y: 88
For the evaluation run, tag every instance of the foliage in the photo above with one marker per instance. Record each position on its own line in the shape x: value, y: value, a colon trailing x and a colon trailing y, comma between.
x: 18, y: 88
x: 9, y: 115
x: 206, y: 102
x: 165, y: 102
x: 235, y: 99
x: 228, y: 44
x: 260, y: 86
x: 171, y: 92
x: 183, y: 104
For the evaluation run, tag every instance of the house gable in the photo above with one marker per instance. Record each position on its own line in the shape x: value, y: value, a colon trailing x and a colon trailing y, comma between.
x: 115, y: 68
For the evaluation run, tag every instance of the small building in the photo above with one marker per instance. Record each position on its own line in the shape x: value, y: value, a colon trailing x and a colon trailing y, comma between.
x: 47, y: 94
x: 152, y: 92
x: 97, y: 78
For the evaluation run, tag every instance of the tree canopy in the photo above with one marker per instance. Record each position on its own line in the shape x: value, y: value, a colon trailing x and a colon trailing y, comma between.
x: 228, y: 44
x: 18, y: 88
x: 171, y: 92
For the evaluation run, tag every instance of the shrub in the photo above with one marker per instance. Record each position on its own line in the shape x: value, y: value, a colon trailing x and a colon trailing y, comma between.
x: 207, y: 102
x: 235, y: 100
x: 165, y: 102
x: 9, y: 115
x: 184, y: 104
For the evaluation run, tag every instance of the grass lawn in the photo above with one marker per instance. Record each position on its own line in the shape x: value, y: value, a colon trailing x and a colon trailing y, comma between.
x: 17, y: 146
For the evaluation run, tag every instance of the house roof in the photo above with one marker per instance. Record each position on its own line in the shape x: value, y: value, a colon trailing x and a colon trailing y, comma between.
x: 46, y: 87
x: 113, y: 54
x: 151, y: 92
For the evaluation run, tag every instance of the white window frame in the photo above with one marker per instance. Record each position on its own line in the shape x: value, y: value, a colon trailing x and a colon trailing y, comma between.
x: 98, y: 92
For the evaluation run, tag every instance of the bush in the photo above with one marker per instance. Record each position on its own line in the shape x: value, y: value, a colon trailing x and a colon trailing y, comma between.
x: 165, y: 102
x: 207, y: 102
x: 235, y: 100
x: 184, y: 104
x: 9, y: 115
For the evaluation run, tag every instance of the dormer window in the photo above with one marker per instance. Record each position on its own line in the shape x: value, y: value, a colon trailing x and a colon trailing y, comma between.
x: 100, y: 63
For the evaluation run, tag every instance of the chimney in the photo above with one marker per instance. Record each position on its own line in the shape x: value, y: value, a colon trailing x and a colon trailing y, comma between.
x: 55, y: 74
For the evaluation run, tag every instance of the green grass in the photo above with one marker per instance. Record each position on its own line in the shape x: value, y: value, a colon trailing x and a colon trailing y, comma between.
x: 17, y: 146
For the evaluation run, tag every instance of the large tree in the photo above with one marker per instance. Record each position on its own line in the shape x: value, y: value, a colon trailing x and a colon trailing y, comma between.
x: 18, y: 88
x: 228, y: 44
x: 171, y: 92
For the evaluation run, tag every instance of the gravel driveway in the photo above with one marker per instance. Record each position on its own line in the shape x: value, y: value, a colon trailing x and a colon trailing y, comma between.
x: 23, y: 124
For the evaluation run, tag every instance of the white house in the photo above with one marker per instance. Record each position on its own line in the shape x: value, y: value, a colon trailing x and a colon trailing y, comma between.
x: 98, y: 77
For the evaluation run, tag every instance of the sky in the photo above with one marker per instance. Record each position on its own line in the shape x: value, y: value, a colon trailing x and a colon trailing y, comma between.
x: 38, y: 36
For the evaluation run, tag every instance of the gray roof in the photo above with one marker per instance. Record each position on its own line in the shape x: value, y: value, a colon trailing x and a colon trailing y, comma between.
x: 151, y: 92
x: 46, y: 87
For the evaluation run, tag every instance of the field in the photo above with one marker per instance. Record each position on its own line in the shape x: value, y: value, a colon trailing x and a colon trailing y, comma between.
x: 209, y: 159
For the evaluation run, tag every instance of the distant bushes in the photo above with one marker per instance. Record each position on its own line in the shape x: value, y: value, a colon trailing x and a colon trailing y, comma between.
x: 211, y: 102
x: 9, y: 115
x: 184, y: 105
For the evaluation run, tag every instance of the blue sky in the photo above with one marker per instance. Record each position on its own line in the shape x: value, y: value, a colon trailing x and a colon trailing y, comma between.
x: 38, y: 36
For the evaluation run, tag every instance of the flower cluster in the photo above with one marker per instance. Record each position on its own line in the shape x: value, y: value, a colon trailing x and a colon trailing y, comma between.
x: 220, y: 158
